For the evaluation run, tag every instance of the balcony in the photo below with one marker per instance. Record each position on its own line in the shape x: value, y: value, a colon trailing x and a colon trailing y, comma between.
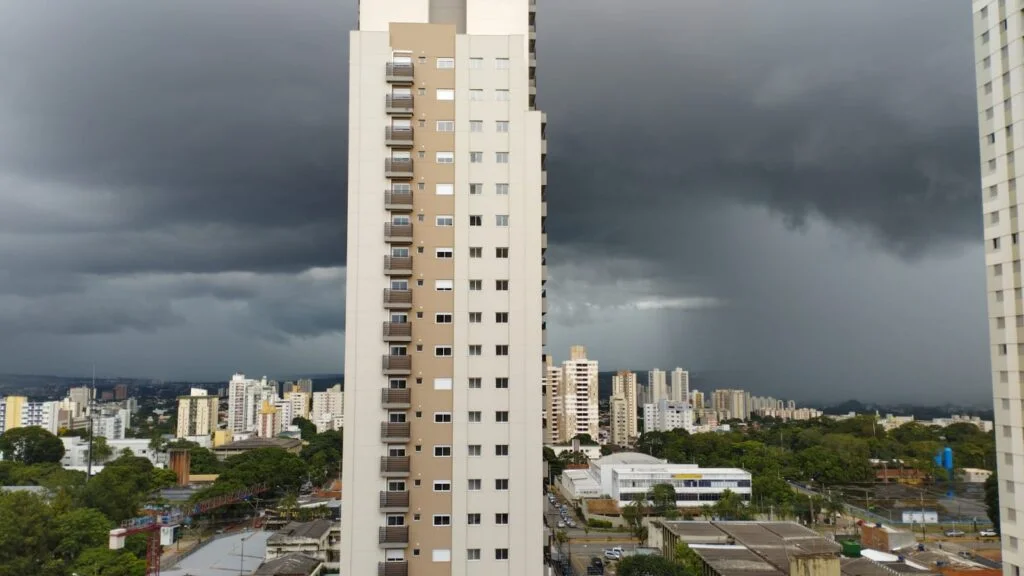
x: 395, y: 398
x: 393, y: 568
x: 399, y: 73
x: 398, y: 137
x: 398, y: 265
x: 397, y: 365
x: 394, y: 432
x: 398, y: 104
x: 397, y: 299
x: 394, y: 466
x: 393, y: 537
x: 398, y: 233
x: 398, y: 201
x: 394, y: 502
x: 398, y: 168
x: 397, y: 332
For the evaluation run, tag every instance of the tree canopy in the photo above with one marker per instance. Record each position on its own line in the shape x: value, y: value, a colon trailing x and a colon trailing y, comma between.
x: 31, y: 445
x: 650, y: 565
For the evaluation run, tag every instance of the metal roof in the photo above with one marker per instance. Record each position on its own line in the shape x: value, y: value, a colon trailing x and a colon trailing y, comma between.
x: 314, y: 530
x: 289, y: 564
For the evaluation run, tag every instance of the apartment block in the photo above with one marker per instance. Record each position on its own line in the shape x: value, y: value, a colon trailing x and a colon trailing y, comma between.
x: 679, y: 391
x: 245, y: 399
x: 328, y: 409
x: 624, y: 384
x: 197, y: 414
x: 657, y: 389
x: 998, y: 29
x: 557, y: 422
x: 445, y: 293
x: 666, y: 415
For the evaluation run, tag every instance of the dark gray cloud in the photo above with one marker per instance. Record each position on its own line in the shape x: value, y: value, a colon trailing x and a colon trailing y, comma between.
x: 187, y: 161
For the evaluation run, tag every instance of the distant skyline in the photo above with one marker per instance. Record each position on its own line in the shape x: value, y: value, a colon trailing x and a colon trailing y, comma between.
x: 791, y: 195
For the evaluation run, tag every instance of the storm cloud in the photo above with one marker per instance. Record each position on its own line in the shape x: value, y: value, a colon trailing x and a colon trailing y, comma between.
x: 787, y: 191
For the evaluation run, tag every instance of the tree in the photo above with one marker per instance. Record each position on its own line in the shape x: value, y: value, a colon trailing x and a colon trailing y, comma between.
x: 992, y: 499
x: 279, y: 469
x: 633, y: 514
x: 101, y: 451
x: 31, y: 445
x: 123, y: 486
x: 289, y: 504
x: 79, y: 530
x: 689, y: 559
x: 26, y: 534
x: 307, y: 428
x: 106, y: 562
x: 650, y: 565
x: 323, y: 455
x: 201, y: 460
x: 730, y: 506
x: 571, y: 457
x: 663, y: 499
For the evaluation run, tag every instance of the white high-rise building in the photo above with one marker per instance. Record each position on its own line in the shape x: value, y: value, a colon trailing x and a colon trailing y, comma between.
x: 444, y: 298
x: 667, y: 415
x: 197, y: 414
x: 245, y: 399
x: 556, y: 426
x: 579, y: 378
x: 657, y: 390
x: 328, y: 409
x: 998, y: 26
x: 680, y: 386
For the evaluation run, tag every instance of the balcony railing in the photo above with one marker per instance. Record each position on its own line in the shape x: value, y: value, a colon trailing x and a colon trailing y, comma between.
x: 398, y: 265
x: 393, y: 568
x: 398, y: 168
x: 394, y: 537
x: 397, y: 299
x: 394, y: 466
x: 398, y: 233
x: 398, y: 104
x: 399, y: 73
x: 394, y: 500
x: 398, y: 137
x: 397, y: 365
x: 394, y: 431
x: 391, y: 398
x: 397, y: 331
x: 398, y: 201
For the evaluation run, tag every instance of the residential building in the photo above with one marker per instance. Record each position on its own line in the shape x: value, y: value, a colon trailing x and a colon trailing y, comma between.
x: 445, y: 290
x: 624, y: 383
x: 305, y: 385
x: 111, y: 422
x: 270, y: 421
x: 245, y: 400
x: 197, y: 414
x: 294, y: 564
x: 680, y: 386
x: 76, y: 451
x: 656, y: 387
x: 315, y: 539
x: 328, y: 409
x: 579, y: 382
x: 731, y: 404
x: 666, y: 415
x: 618, y: 421
x: 630, y: 476
x: 556, y: 425
x: 225, y: 451
x: 83, y: 397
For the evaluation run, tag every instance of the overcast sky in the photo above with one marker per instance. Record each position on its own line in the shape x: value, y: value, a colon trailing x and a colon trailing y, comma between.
x: 785, y: 192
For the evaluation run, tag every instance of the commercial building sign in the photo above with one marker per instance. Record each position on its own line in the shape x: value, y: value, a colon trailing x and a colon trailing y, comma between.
x: 687, y: 476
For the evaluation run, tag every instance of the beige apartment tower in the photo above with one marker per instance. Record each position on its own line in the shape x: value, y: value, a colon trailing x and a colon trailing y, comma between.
x: 624, y: 384
x: 998, y: 26
x: 197, y: 414
x: 445, y: 292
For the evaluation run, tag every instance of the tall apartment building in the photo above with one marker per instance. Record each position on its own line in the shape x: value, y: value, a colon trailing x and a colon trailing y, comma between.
x: 618, y: 421
x: 328, y: 409
x: 657, y: 389
x: 679, y: 391
x: 998, y: 28
x: 445, y: 289
x: 624, y: 384
x: 557, y: 422
x: 667, y: 415
x: 245, y: 399
x: 197, y: 414
x: 579, y: 380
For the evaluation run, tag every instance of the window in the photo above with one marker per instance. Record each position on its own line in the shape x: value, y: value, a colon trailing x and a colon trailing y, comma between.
x: 501, y: 252
x: 442, y: 417
x: 476, y: 220
x: 501, y: 553
x: 989, y: 113
x: 476, y: 125
x: 501, y: 189
x: 473, y: 554
x: 502, y: 95
x: 476, y: 189
x: 474, y: 382
x: 475, y: 317
x: 501, y: 518
x: 501, y: 484
x: 501, y: 157
x: 444, y: 189
x: 501, y: 63
x: 444, y: 252
x: 476, y: 63
x: 474, y: 450
x: 442, y: 383
x: 474, y: 484
x: 501, y: 449
x: 992, y: 138
x: 443, y: 318
x: 501, y: 285
x: 475, y: 285
x: 442, y: 351
x: 501, y: 383
x: 501, y: 220
x: 501, y: 416
x: 474, y: 416
x: 501, y: 126
x: 442, y: 485
x: 988, y: 87
x: 476, y: 157
x: 446, y: 125
x: 984, y: 37
x: 442, y: 520
x: 442, y: 451
x: 476, y: 95
x: 444, y: 221
x: 987, y: 62
x: 445, y: 94
x: 501, y: 317
x: 446, y: 157
x: 476, y: 252
x: 443, y: 285
x: 475, y: 349
x: 445, y: 63
x: 441, y: 555
x: 501, y: 350
x: 473, y: 519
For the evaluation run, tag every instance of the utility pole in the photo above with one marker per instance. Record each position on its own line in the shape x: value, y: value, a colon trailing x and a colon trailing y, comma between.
x: 88, y: 410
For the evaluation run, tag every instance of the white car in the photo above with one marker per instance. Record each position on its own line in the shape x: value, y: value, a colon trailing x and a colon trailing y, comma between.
x: 988, y: 533
x: 561, y: 524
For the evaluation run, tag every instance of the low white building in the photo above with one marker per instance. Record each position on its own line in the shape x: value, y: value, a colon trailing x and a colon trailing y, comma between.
x: 630, y: 476
x: 667, y: 415
x: 76, y: 451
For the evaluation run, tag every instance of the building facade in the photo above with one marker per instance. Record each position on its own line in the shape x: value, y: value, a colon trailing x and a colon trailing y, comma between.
x: 556, y: 425
x: 665, y: 416
x: 998, y: 26
x: 197, y: 414
x: 657, y: 389
x: 679, y: 391
x: 445, y: 291
x: 328, y: 411
x: 624, y: 384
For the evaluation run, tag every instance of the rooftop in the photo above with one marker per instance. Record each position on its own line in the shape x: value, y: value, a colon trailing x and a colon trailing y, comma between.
x: 627, y: 458
x: 288, y: 565
x: 314, y: 530
x: 256, y: 443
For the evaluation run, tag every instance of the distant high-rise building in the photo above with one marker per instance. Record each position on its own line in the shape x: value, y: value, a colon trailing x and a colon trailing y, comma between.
x: 269, y: 423
x: 120, y: 392
x: 624, y: 384
x: 579, y: 375
x: 680, y: 389
x: 619, y: 420
x: 245, y: 399
x: 83, y: 397
x: 656, y: 386
x: 667, y: 415
x: 556, y: 429
x: 328, y: 409
x: 197, y: 414
x: 305, y: 385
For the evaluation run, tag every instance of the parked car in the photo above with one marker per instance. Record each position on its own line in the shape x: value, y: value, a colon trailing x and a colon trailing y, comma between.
x: 954, y: 533
x: 613, y: 553
x: 988, y: 533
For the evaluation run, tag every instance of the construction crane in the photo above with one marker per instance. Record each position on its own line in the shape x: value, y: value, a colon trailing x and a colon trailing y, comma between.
x: 160, y: 524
